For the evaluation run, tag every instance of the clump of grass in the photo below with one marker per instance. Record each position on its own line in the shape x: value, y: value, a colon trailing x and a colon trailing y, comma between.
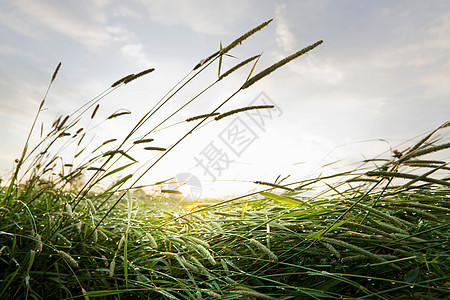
x: 373, y: 232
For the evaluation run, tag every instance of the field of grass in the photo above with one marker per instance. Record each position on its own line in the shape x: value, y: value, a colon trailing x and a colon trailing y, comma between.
x: 376, y: 231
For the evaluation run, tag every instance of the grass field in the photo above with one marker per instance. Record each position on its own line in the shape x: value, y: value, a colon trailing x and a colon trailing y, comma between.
x: 376, y: 231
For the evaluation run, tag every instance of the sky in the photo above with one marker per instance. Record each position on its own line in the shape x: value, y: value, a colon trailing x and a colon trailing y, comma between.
x: 380, y: 78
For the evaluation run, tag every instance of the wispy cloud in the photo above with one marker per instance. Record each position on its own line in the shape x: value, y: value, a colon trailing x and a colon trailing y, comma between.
x: 207, y: 17
x: 9, y: 50
x: 284, y: 37
x: 441, y: 32
x: 136, y: 53
x: 36, y: 18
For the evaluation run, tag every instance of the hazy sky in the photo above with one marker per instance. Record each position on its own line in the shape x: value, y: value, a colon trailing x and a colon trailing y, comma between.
x: 383, y: 72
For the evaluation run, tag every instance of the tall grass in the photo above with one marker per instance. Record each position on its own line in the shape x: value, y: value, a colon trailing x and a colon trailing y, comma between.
x: 376, y: 231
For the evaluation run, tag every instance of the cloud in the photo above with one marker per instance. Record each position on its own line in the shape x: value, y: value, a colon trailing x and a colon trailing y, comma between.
x: 440, y: 33
x: 34, y: 18
x: 438, y: 81
x: 323, y: 69
x: 14, y: 51
x: 136, y: 53
x: 284, y: 37
x: 206, y: 17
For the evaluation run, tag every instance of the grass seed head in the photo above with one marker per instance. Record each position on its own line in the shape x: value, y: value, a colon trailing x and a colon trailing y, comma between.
x: 121, y: 80
x: 243, y: 37
x: 140, y: 74
x: 279, y: 64
x: 118, y: 114
x: 155, y: 148
x: 238, y: 66
x: 143, y: 141
x: 152, y: 241
x: 95, y: 111
x: 235, y: 111
x: 122, y: 239
x: 69, y: 259
x: 264, y: 249
x: 39, y: 244
x: 201, y: 117
x: 175, y: 192
x: 56, y: 72
x: 112, y: 267
x: 252, y: 294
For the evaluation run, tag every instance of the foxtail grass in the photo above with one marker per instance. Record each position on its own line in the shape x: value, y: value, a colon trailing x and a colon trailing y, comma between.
x: 378, y: 231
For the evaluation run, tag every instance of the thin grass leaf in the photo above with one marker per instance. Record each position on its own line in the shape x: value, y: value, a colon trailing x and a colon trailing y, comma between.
x: 428, y: 150
x: 408, y: 176
x: 253, y: 68
x: 105, y: 293
x: 318, y: 234
x: 280, y: 198
x: 120, y: 182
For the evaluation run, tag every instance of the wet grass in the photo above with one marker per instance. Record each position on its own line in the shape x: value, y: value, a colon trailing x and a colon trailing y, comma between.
x: 377, y: 231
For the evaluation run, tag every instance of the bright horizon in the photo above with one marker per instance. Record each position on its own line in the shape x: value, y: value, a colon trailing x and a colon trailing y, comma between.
x: 381, y: 73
